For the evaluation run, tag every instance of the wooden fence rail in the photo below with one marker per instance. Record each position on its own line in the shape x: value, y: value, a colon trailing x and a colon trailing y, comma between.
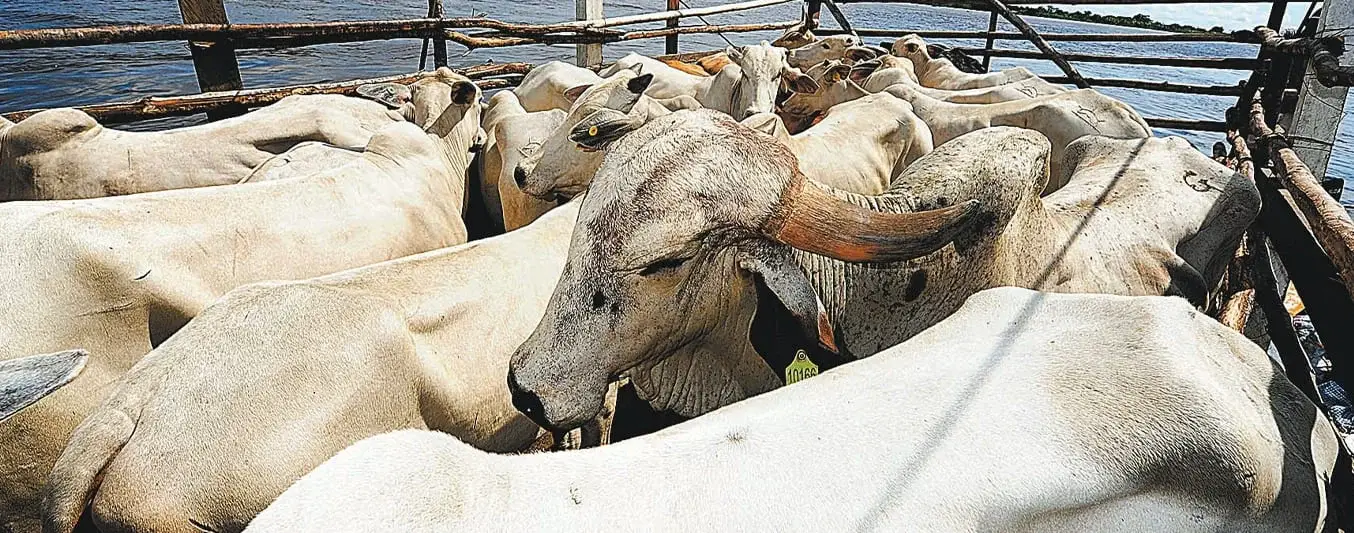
x: 1240, y: 37
x: 1159, y: 86
x: 171, y: 106
x: 1225, y: 63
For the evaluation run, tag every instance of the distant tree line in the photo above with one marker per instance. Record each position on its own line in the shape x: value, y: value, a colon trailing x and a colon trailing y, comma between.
x: 1135, y: 21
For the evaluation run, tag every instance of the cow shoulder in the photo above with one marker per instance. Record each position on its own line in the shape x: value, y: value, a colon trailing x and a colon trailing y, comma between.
x: 49, y: 130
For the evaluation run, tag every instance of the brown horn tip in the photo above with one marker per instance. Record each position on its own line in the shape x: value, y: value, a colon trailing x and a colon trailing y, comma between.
x: 813, y: 220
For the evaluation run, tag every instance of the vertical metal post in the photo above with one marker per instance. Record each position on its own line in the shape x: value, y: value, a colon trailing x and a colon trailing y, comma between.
x: 217, y: 69
x: 1319, y: 108
x: 440, y: 39
x: 589, y: 54
x: 991, y: 27
x: 815, y: 9
x: 671, y: 40
x: 1279, y: 66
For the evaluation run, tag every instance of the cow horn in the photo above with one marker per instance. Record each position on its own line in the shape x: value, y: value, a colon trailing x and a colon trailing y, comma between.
x: 810, y: 218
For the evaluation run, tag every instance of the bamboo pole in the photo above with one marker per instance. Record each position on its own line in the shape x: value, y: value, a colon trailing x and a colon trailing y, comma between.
x: 258, y: 34
x: 496, y: 41
x: 168, y: 106
x: 1186, y: 124
x: 1329, y: 222
x: 1075, y: 37
x: 722, y: 28
x: 1059, y: 2
x: 250, y: 35
x: 1324, y: 54
x: 675, y: 13
x: 1161, y: 86
x: 1039, y: 43
x: 1225, y: 63
x: 1236, y: 309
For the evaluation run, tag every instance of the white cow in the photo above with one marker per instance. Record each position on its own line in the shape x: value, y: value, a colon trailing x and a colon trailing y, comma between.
x: 890, y: 70
x: 26, y: 380
x: 1024, y: 411
x: 1063, y: 118
x: 65, y: 154
x: 118, y: 276
x: 801, y: 109
x: 303, y: 159
x: 697, y: 232
x: 746, y: 87
x: 858, y: 146
x: 557, y: 167
x: 300, y: 370
x: 942, y: 74
x: 548, y: 86
x: 834, y: 47
x: 516, y: 134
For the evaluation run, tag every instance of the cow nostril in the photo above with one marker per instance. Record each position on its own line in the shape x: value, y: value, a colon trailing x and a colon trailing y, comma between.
x: 520, y: 176
x: 526, y: 401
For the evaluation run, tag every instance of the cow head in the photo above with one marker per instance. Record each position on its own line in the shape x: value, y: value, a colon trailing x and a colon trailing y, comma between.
x: 688, y: 220
x: 25, y: 380
x: 825, y: 49
x: 799, y: 34
x: 913, y: 48
x: 436, y: 103
x: 561, y: 168
x: 799, y: 110
x: 752, y: 87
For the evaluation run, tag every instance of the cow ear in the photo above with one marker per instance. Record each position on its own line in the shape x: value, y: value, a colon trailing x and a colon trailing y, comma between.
x: 778, y: 278
x: 798, y: 81
x: 602, y: 128
x: 860, y: 53
x: 637, y: 68
x: 571, y: 94
x: 393, y: 95
x: 735, y: 54
x: 463, y: 92
x: 638, y: 84
x: 861, y: 71
x: 25, y: 380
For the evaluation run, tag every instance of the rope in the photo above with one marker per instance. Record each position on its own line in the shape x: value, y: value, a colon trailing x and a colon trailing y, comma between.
x: 707, y: 23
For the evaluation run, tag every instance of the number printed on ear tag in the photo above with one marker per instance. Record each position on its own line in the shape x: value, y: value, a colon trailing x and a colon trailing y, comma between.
x: 800, y: 369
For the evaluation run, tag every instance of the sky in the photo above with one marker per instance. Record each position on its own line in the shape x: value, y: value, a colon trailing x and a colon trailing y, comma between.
x: 1229, y: 16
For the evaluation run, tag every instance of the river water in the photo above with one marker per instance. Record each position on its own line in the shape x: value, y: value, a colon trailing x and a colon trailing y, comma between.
x: 98, y: 74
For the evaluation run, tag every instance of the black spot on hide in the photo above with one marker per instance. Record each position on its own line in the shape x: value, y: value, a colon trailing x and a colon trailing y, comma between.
x: 598, y: 300
x: 916, y: 283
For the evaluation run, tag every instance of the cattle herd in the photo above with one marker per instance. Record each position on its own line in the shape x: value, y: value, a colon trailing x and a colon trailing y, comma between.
x: 275, y: 323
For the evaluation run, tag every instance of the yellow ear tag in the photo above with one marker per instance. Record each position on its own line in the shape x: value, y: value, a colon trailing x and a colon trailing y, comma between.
x: 592, y: 131
x: 836, y: 77
x: 800, y: 369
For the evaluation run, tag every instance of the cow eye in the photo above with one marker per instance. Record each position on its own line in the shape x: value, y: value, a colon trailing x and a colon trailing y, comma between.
x: 826, y: 46
x: 664, y: 266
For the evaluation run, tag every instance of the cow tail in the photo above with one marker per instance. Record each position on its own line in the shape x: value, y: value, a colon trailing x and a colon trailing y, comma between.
x: 79, y: 470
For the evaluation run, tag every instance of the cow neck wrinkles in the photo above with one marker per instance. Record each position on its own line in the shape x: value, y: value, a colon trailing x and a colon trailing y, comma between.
x: 830, y: 277
x: 454, y: 141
